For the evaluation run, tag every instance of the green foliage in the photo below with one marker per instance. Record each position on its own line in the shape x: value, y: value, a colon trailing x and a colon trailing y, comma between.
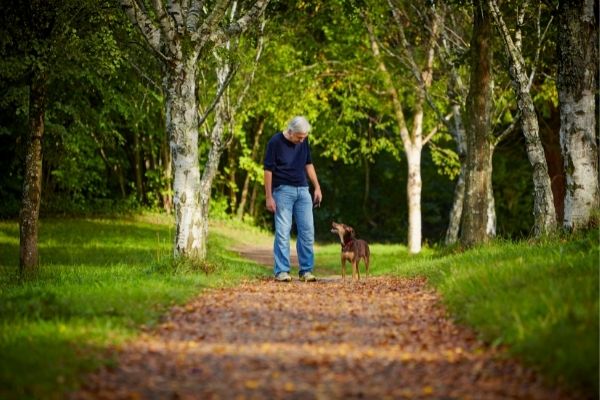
x: 106, y: 107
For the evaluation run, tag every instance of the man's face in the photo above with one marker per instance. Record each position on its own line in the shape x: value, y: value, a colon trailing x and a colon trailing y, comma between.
x: 298, y: 137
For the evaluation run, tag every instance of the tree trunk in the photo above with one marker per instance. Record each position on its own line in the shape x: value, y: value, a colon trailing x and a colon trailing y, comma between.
x: 458, y: 132
x: 232, y: 186
x: 413, y: 141
x: 478, y: 177
x: 577, y: 86
x: 137, y: 165
x: 255, y: 148
x: 543, y: 207
x: 457, y: 208
x: 182, y: 126
x: 490, y: 227
x: 414, y: 186
x: 32, y: 179
x: 211, y: 168
x: 166, y: 190
x: 252, y: 210
x: 177, y: 35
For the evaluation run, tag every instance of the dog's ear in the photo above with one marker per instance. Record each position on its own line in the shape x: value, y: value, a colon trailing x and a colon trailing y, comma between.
x: 351, y: 230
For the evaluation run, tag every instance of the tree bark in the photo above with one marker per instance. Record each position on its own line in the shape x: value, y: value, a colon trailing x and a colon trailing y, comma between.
x: 478, y: 176
x: 167, y: 168
x: 413, y: 188
x: 458, y: 132
x: 32, y: 180
x: 182, y: 126
x: 577, y: 87
x: 543, y: 208
x: 178, y: 36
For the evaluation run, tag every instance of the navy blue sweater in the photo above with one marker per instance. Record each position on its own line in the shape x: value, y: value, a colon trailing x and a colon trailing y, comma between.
x: 287, y: 161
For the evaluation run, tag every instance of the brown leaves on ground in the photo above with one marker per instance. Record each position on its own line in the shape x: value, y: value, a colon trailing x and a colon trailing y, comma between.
x: 375, y: 339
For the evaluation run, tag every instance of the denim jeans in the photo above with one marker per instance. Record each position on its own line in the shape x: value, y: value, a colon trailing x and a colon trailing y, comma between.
x: 293, y: 202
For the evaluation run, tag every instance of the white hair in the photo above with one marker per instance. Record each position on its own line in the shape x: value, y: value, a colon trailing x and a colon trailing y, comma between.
x: 298, y: 125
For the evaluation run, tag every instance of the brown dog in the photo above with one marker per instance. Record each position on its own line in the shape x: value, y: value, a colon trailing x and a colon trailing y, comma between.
x: 352, y: 249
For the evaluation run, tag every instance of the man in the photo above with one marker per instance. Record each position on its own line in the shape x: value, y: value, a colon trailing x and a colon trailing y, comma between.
x: 287, y: 165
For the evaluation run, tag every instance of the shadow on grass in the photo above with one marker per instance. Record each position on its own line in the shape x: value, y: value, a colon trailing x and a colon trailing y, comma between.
x: 99, y: 280
x: 90, y: 242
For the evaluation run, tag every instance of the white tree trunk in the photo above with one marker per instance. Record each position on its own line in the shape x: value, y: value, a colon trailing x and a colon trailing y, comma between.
x: 490, y: 228
x: 580, y: 153
x: 177, y: 35
x: 182, y: 126
x: 412, y: 141
x: 543, y: 208
x: 413, y: 190
x: 458, y: 132
x: 577, y: 87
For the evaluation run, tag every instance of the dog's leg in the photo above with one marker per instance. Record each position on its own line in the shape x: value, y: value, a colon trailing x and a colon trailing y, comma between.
x: 358, y: 268
x: 354, y: 268
x: 343, y: 268
x: 367, y: 265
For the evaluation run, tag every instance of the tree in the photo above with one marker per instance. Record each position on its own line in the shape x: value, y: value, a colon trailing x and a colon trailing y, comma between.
x: 480, y: 141
x: 53, y: 39
x: 543, y: 211
x: 181, y: 35
x: 412, y: 138
x: 577, y: 90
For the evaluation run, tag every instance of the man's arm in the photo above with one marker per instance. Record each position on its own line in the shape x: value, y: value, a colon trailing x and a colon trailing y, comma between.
x: 312, y: 175
x: 270, y: 202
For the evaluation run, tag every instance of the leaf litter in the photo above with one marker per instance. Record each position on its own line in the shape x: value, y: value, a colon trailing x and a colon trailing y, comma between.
x: 380, y: 338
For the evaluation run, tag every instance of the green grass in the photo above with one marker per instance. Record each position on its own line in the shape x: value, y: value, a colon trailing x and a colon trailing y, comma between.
x: 540, y: 300
x: 100, y: 280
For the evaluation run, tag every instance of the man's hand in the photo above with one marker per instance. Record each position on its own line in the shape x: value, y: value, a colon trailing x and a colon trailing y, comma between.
x: 271, y: 206
x: 317, y: 197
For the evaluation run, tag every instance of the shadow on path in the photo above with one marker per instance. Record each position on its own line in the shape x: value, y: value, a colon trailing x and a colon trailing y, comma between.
x: 375, y: 339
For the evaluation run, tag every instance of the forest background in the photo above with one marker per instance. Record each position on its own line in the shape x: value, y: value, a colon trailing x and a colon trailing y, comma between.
x: 420, y: 111
x: 105, y: 146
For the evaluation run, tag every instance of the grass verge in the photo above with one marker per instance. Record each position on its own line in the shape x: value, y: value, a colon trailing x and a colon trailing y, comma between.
x: 99, y: 281
x: 540, y: 299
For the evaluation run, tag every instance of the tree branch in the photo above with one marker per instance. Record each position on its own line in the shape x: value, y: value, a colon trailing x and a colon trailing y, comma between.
x: 435, y: 130
x: 174, y: 10
x: 220, y: 92
x: 220, y: 36
x: 163, y: 19
x: 250, y: 79
x: 507, y: 131
x: 193, y: 15
x: 141, y: 19
x: 397, y: 105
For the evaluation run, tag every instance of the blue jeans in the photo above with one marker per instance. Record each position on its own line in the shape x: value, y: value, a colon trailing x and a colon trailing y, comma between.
x: 293, y: 202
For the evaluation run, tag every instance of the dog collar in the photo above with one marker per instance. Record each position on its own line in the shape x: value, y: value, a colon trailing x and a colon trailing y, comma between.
x: 347, y: 245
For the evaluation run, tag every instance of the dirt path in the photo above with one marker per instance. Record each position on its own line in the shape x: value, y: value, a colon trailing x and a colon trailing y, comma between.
x: 377, y: 339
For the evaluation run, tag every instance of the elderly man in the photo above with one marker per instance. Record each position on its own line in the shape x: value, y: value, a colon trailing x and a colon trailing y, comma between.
x: 287, y: 165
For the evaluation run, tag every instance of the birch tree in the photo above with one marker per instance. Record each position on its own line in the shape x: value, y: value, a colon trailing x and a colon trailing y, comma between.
x: 181, y: 34
x: 412, y: 138
x: 577, y: 87
x: 544, y: 211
